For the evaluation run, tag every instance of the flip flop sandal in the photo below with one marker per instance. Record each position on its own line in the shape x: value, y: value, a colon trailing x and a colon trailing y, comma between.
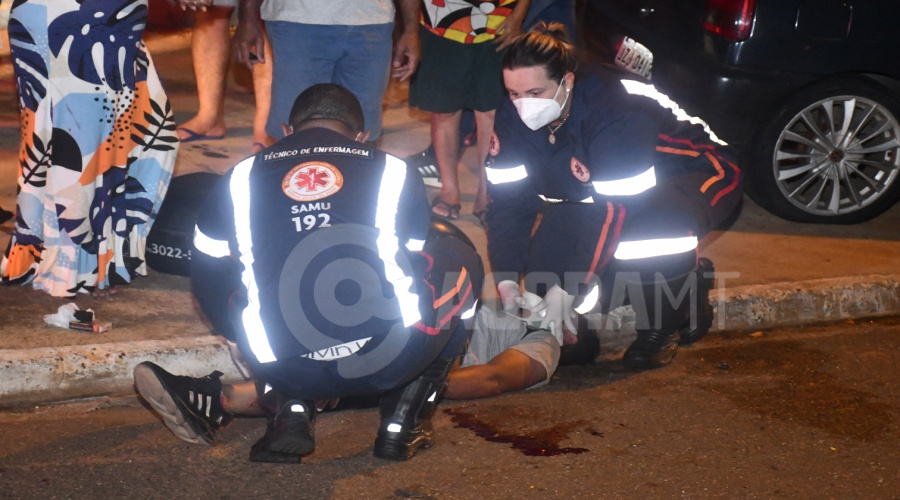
x: 452, y: 210
x: 482, y: 217
x: 194, y: 136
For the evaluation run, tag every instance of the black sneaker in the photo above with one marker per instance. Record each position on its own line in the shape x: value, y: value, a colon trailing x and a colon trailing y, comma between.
x: 652, y: 349
x: 289, y: 433
x: 425, y: 163
x: 190, y: 407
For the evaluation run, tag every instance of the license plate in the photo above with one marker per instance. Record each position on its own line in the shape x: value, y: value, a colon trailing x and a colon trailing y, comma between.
x: 635, y: 58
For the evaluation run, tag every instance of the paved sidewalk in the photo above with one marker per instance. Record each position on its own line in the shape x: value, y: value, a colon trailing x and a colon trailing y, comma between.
x: 770, y: 272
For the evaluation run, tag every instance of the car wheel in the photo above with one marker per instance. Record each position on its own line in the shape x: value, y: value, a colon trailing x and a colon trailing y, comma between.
x: 831, y: 155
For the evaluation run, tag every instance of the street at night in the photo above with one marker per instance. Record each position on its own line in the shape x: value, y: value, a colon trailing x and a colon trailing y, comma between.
x: 800, y: 413
x: 793, y: 394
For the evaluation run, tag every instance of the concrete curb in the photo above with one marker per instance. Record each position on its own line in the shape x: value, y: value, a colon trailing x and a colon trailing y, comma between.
x: 53, y: 374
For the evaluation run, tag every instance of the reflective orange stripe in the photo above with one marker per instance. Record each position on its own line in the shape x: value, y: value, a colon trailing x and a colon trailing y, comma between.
x: 452, y: 293
x: 674, y: 151
x: 599, y: 249
x: 731, y: 187
x: 717, y: 177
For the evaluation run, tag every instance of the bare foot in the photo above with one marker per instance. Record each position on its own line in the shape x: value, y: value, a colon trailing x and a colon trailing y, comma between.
x: 104, y: 292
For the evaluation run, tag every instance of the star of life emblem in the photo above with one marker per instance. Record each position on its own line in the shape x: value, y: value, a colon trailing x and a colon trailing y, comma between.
x: 312, y: 180
x: 579, y: 170
x: 495, y: 144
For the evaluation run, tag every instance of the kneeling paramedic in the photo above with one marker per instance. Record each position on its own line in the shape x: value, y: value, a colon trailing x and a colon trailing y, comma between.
x: 620, y: 182
x: 311, y: 258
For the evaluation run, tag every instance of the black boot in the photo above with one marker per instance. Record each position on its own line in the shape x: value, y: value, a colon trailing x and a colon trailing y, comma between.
x: 289, y: 431
x: 701, y: 321
x: 658, y: 337
x: 406, y: 414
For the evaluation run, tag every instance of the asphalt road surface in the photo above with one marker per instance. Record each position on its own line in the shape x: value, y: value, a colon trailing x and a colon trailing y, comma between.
x: 799, y: 413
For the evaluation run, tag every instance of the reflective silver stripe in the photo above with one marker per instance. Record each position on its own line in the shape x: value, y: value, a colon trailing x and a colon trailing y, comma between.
x: 209, y: 246
x: 554, y: 200
x: 628, y: 186
x: 470, y: 312
x: 385, y: 216
x: 505, y: 175
x: 253, y: 325
x: 648, y: 90
x: 415, y: 245
x: 642, y: 249
x: 590, y: 301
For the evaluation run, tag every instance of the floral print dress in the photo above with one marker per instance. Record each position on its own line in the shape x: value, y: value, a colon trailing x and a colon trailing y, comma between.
x: 98, y: 144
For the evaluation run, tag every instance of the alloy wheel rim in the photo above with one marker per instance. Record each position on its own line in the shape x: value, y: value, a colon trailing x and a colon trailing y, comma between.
x: 838, y: 155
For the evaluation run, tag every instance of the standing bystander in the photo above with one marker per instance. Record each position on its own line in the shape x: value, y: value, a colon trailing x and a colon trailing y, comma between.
x: 98, y: 145
x: 461, y: 70
x: 346, y: 42
x: 211, y: 58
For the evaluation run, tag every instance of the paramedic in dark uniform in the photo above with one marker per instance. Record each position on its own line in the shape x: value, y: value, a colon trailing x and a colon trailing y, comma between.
x: 311, y: 257
x: 625, y: 183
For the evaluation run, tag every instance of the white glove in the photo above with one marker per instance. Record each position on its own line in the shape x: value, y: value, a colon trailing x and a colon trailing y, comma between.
x: 509, y: 295
x: 558, y: 312
x: 532, y: 303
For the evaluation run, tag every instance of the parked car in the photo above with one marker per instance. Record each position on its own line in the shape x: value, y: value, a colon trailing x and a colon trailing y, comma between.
x: 807, y: 90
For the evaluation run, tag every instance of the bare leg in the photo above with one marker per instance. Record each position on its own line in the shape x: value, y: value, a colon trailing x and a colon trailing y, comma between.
x: 210, y: 50
x: 445, y: 138
x: 241, y: 399
x: 262, y: 89
x: 485, y: 124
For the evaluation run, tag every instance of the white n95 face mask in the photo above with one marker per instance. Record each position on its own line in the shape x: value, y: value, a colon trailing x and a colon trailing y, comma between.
x: 536, y: 112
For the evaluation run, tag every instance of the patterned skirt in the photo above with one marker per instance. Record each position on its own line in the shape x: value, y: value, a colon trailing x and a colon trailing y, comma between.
x: 98, y: 144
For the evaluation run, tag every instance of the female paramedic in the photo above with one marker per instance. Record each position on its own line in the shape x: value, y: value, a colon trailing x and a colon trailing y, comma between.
x: 601, y: 188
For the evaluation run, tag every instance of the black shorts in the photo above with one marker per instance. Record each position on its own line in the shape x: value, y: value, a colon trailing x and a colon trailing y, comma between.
x: 453, y: 76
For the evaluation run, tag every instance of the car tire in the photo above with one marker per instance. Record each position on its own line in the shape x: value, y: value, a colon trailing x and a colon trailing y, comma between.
x: 793, y: 166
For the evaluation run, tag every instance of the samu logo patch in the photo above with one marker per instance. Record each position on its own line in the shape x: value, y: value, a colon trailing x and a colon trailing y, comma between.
x: 312, y: 181
x: 495, y: 144
x: 580, y: 171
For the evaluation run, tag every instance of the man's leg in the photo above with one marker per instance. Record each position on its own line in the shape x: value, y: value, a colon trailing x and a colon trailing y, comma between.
x: 445, y: 138
x: 485, y: 124
x: 302, y: 55
x: 262, y: 91
x: 211, y: 54
x: 364, y: 69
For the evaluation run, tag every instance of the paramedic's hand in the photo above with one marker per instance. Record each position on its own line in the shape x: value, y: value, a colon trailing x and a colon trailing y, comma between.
x: 532, y: 303
x: 510, y: 296
x: 559, y: 312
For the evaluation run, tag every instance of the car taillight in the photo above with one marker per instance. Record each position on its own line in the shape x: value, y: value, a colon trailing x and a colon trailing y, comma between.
x: 731, y: 19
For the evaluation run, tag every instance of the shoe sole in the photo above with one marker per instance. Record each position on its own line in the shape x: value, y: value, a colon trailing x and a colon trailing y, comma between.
x: 174, y: 414
x: 293, y: 443
x: 259, y: 453
x: 390, y: 449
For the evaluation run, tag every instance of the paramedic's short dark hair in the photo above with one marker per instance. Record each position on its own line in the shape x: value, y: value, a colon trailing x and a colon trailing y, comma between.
x: 328, y: 101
